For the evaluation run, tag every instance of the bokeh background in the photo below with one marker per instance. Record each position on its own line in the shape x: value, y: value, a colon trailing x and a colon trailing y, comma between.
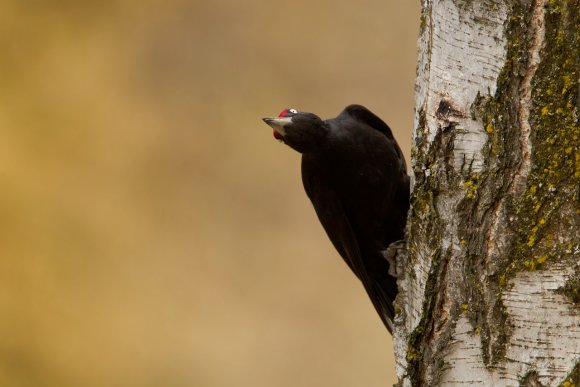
x: 152, y: 232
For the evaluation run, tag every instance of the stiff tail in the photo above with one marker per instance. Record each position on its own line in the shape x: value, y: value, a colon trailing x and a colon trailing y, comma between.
x: 382, y: 298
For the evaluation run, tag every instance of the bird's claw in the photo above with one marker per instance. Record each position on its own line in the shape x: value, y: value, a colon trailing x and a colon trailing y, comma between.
x: 395, y: 254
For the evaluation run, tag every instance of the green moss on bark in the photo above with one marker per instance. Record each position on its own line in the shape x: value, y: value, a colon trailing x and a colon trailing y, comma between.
x: 548, y: 207
x: 573, y: 379
x: 540, y: 214
x: 424, y: 225
x: 552, y: 195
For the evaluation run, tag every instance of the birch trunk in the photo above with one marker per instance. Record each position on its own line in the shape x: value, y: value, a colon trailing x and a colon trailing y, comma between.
x: 490, y: 290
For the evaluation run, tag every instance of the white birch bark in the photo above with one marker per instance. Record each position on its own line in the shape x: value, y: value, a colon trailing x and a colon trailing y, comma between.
x: 487, y: 291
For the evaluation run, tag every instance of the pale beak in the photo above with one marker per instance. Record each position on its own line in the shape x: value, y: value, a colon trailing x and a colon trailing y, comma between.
x: 278, y: 123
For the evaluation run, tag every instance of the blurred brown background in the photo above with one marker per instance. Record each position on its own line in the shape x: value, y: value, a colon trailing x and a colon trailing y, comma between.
x: 152, y: 232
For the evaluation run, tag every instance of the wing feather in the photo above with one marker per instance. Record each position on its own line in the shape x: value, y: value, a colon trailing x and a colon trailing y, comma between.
x: 334, y: 220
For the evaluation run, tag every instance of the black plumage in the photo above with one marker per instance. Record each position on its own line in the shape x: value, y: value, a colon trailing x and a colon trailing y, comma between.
x: 355, y: 175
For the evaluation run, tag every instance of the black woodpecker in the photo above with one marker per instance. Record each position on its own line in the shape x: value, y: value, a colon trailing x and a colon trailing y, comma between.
x: 355, y: 174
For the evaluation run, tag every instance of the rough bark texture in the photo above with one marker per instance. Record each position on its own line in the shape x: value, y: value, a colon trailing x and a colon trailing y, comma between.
x: 491, y: 287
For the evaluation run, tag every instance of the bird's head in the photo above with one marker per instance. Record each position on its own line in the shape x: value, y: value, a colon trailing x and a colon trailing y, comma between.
x: 303, y: 132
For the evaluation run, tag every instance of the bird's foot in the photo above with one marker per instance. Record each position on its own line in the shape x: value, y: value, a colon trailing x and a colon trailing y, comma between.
x: 396, y: 255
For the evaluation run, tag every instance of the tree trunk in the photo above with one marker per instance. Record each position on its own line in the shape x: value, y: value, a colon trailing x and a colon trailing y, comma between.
x: 490, y: 290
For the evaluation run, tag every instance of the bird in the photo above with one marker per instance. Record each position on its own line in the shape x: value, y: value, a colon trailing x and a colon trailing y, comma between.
x: 355, y: 175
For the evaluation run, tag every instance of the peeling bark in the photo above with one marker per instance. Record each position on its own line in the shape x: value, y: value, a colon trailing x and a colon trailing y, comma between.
x: 490, y: 291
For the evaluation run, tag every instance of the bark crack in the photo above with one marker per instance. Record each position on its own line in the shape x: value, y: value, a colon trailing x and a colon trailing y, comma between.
x: 519, y: 178
x: 538, y: 33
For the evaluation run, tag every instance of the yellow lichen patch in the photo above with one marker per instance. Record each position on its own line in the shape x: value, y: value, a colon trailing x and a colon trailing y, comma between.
x: 567, y: 83
x: 412, y: 355
x: 560, y: 37
x: 471, y: 186
x: 530, y: 265
x: 541, y: 259
x: 531, y: 241
x: 502, y: 280
x: 489, y: 128
x: 533, y: 264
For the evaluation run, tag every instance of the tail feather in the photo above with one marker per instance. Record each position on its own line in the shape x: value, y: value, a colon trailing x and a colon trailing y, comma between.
x: 383, y: 303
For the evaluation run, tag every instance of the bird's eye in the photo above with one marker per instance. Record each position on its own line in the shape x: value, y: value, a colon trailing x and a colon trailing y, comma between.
x: 288, y: 112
